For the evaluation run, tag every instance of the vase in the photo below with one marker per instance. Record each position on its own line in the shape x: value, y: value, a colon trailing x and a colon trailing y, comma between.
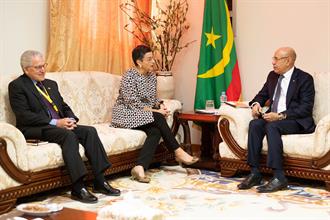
x: 165, y: 85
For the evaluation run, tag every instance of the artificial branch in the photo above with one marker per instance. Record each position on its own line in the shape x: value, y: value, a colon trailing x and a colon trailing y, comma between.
x: 163, y: 32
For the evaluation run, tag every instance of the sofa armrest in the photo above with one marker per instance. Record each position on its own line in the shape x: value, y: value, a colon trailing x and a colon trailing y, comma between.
x: 15, y: 144
x: 172, y: 105
x: 322, y: 136
x: 13, y: 159
x: 239, y: 119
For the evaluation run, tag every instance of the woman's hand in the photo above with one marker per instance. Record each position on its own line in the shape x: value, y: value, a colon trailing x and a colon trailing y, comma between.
x: 164, y: 108
x: 164, y: 112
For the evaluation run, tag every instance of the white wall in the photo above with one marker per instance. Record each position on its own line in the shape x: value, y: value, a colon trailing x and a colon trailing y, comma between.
x: 261, y: 27
x: 23, y: 25
x: 264, y: 25
x: 186, y: 64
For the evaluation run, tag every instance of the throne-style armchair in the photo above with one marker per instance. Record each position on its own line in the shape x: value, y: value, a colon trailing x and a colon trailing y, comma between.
x: 305, y: 155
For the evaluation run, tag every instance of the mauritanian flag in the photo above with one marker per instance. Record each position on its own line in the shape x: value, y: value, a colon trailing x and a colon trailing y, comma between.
x: 218, y: 67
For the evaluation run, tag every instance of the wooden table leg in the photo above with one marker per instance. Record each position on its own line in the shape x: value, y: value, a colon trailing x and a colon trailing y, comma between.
x: 216, y: 139
x: 187, y: 137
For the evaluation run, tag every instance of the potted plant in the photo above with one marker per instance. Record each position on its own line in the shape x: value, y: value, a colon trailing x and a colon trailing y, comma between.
x: 162, y: 32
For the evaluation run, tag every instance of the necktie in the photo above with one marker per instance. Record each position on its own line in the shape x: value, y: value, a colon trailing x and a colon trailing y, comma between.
x: 277, y: 94
x: 50, y: 107
x: 39, y: 84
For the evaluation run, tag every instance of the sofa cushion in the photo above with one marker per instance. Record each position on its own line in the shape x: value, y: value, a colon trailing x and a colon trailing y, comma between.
x: 295, y: 145
x: 119, y: 140
x: 114, y: 140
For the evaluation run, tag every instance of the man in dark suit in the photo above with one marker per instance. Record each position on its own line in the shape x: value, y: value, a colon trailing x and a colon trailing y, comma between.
x: 291, y: 93
x: 41, y: 113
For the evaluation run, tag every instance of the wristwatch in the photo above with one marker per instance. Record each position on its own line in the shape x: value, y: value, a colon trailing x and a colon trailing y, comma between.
x: 281, y: 116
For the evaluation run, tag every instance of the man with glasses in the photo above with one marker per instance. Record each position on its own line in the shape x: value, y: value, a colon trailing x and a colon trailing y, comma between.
x: 41, y: 113
x: 290, y: 92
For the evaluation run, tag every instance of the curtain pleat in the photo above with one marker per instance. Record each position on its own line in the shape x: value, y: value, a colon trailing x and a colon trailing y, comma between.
x: 89, y: 35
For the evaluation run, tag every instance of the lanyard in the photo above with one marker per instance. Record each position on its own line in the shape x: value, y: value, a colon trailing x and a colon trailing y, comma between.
x: 47, y: 97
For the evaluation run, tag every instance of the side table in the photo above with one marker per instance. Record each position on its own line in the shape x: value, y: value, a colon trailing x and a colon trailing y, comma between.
x: 209, y: 149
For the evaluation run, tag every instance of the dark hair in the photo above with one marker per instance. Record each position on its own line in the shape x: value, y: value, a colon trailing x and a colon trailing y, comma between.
x: 139, y: 52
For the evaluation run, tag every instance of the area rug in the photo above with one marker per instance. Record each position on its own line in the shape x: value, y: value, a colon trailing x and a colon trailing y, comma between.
x: 181, y: 193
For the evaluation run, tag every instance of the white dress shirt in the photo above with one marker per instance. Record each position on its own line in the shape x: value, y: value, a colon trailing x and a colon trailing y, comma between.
x: 284, y: 90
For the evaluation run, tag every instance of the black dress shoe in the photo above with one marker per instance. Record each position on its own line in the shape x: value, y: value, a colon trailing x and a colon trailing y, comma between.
x: 250, y: 181
x: 273, y: 185
x: 83, y: 196
x: 106, y: 189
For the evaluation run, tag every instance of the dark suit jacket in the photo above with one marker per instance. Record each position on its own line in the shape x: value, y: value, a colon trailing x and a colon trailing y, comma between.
x: 31, y: 112
x: 299, y: 99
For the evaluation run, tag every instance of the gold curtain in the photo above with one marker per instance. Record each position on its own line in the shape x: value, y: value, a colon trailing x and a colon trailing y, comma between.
x: 89, y: 35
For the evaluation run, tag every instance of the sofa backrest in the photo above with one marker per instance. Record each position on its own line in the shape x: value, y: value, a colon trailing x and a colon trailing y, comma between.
x: 322, y: 95
x: 6, y: 114
x: 91, y: 95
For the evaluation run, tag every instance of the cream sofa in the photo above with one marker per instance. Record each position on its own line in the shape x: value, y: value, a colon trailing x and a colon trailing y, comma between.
x: 25, y: 169
x: 306, y: 155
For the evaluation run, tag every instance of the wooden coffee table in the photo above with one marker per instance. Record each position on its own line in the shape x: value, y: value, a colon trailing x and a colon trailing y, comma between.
x: 209, y: 149
x: 64, y: 214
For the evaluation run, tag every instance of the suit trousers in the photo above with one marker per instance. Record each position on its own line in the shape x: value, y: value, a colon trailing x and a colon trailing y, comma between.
x: 155, y: 130
x: 258, y: 129
x: 69, y: 141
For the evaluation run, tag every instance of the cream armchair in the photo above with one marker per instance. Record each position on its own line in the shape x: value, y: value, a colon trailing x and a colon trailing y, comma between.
x: 305, y: 155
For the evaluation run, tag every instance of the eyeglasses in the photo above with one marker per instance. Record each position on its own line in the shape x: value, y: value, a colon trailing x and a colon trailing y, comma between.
x: 40, y: 66
x: 278, y: 58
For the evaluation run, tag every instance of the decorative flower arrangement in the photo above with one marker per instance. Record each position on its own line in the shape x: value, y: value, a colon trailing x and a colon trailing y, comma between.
x: 162, y: 32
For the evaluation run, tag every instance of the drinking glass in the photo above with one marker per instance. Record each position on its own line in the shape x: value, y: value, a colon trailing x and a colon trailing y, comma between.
x: 209, y: 105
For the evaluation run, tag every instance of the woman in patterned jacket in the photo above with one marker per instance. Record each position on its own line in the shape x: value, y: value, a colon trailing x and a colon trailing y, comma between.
x: 138, y: 107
